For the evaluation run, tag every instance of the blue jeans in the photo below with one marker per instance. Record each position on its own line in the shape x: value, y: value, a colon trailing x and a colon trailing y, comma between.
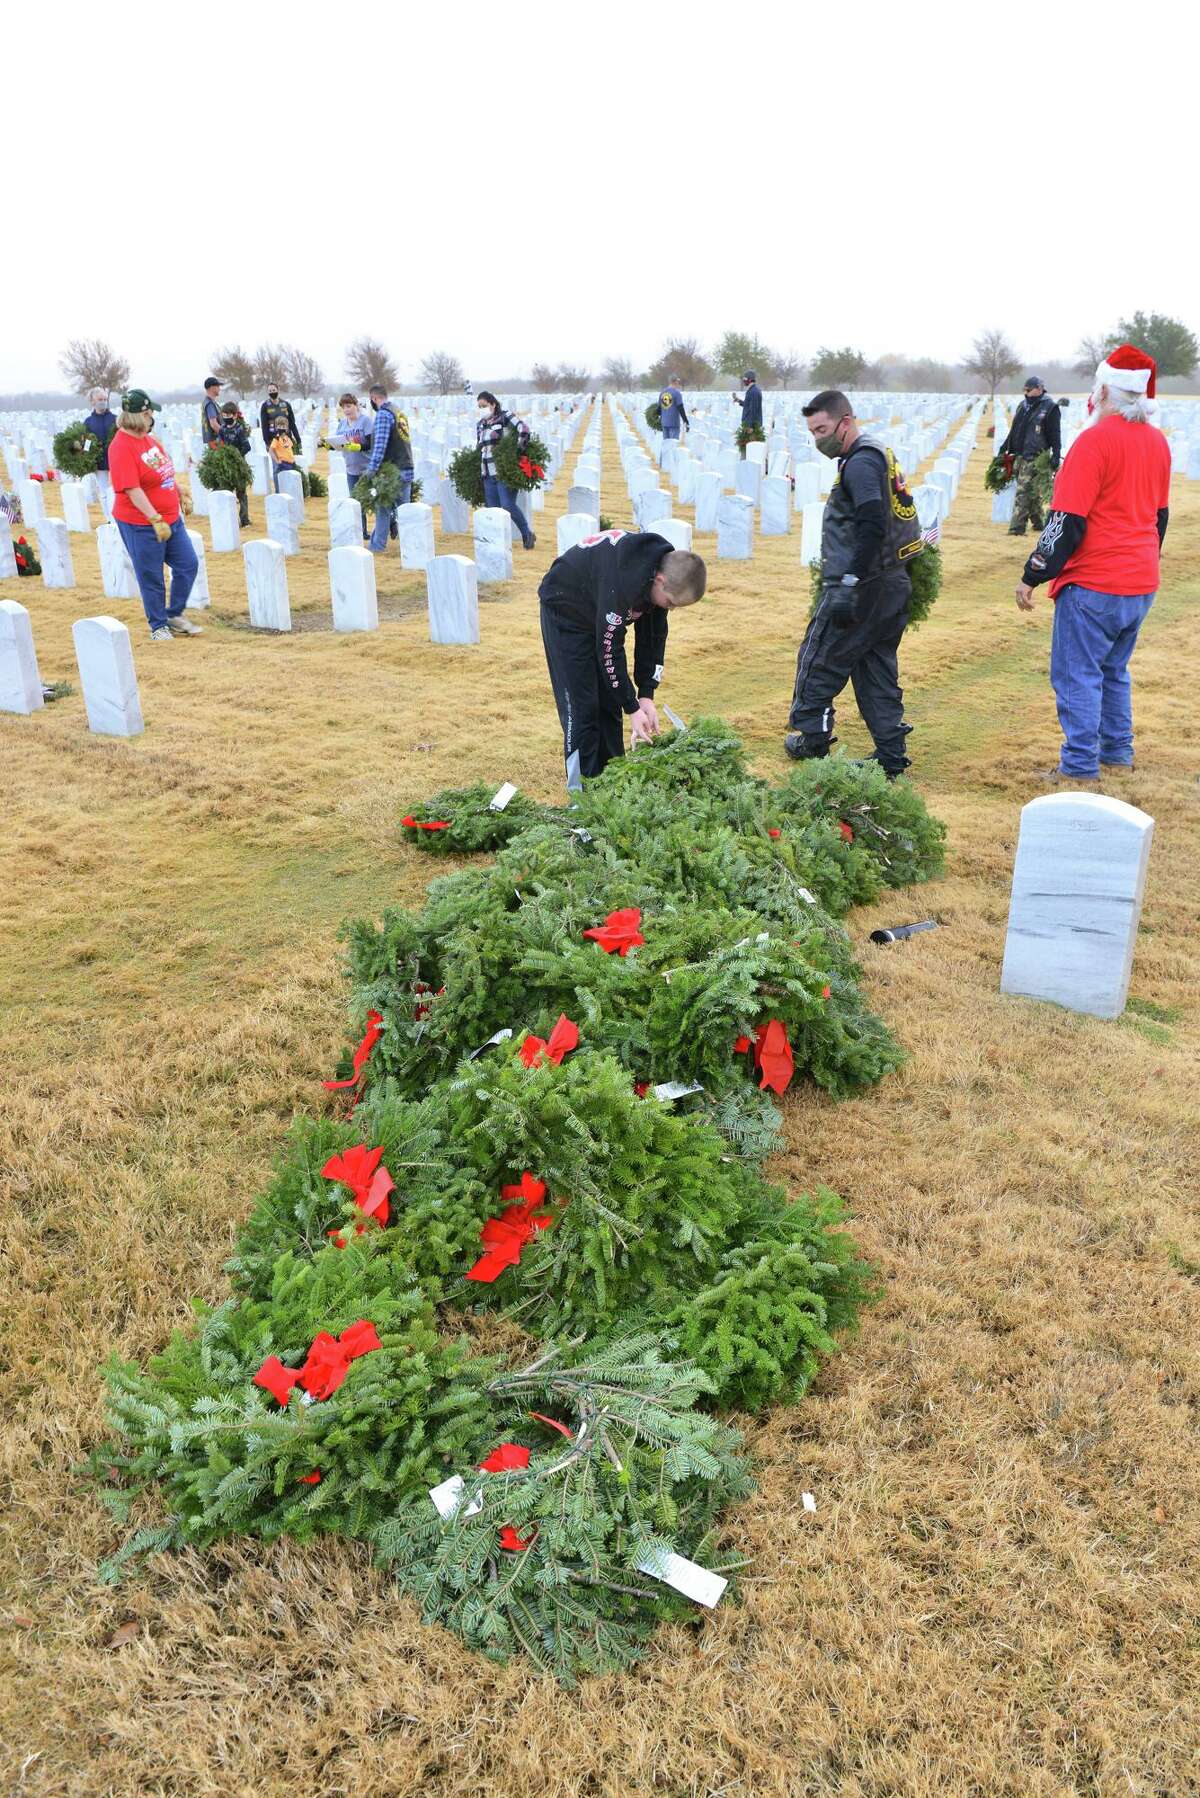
x: 150, y: 557
x: 669, y: 432
x: 1094, y: 637
x: 385, y: 514
x: 495, y: 493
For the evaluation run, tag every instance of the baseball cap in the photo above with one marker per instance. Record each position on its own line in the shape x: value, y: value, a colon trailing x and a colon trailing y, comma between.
x: 212, y: 381
x: 138, y: 400
x: 1034, y: 381
x: 749, y: 375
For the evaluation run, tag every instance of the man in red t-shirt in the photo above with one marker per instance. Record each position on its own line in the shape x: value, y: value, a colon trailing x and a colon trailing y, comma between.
x: 1100, y: 553
x: 148, y: 514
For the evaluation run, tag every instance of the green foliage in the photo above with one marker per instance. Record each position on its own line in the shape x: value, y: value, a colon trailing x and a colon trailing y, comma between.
x: 315, y: 485
x: 750, y: 434
x: 382, y: 489
x: 510, y: 453
x: 466, y: 475
x: 76, y: 451
x: 740, y: 350
x: 1168, y: 340
x: 925, y: 581
x: 890, y: 820
x: 654, y: 416
x: 846, y: 367
x: 26, y: 557
x: 223, y: 469
x: 999, y: 474
x: 474, y: 826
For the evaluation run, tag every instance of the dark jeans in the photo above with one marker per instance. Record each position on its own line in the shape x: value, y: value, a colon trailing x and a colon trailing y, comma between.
x: 495, y: 493
x: 150, y: 558
x: 1094, y: 636
x: 863, y: 653
x: 385, y: 517
x: 593, y: 725
x: 669, y: 432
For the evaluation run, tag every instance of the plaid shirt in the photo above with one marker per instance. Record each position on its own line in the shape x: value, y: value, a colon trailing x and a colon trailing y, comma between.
x: 490, y: 430
x: 386, y: 422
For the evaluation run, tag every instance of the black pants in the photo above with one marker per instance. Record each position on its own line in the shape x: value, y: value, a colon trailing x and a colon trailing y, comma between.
x: 593, y: 725
x: 864, y: 653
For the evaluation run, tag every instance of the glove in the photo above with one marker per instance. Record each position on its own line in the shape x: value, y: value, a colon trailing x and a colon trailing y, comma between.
x: 162, y: 530
x: 841, y: 610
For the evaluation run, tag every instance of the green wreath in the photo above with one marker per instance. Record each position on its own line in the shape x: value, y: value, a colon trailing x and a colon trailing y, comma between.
x: 315, y: 485
x: 26, y: 557
x: 383, y: 489
x: 1000, y: 473
x: 925, y: 577
x: 222, y: 469
x: 76, y: 451
x: 654, y: 415
x: 466, y: 475
x: 521, y: 466
x: 750, y: 434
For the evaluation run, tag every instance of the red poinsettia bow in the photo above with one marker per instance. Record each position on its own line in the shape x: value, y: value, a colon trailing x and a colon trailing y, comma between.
x: 504, y: 1237
x: 510, y: 1457
x: 531, y: 470
x: 433, y: 823
x: 362, y: 1054
x: 325, y: 1367
x: 845, y: 830
x: 621, y: 931
x: 772, y: 1055
x: 359, y: 1169
x: 562, y: 1039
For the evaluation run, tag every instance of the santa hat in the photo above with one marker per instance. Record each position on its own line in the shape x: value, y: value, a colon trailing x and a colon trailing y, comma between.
x: 1130, y: 369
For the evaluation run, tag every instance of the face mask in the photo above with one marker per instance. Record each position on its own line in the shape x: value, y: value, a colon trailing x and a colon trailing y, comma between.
x: 374, y: 405
x: 829, y: 445
x: 273, y: 393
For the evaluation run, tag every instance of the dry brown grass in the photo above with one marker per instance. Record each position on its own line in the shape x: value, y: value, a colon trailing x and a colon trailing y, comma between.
x: 997, y: 1593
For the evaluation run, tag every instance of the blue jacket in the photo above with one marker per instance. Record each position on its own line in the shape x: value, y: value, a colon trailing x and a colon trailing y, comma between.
x: 671, y: 409
x: 102, y: 425
x: 751, y: 404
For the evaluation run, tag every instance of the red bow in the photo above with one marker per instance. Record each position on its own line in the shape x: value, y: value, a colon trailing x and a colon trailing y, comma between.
x: 563, y: 1038
x: 371, y: 1036
x: 505, y: 1236
x: 434, y: 824
x: 510, y: 1457
x: 36, y: 477
x: 530, y: 469
x: 359, y: 1169
x: 310, y: 1479
x: 325, y: 1367
x: 825, y: 991
x: 846, y: 830
x: 621, y: 930
x: 772, y: 832
x: 772, y: 1054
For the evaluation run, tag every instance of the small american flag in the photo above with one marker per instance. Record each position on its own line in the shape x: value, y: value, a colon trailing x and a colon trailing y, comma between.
x: 933, y: 535
x: 10, y: 506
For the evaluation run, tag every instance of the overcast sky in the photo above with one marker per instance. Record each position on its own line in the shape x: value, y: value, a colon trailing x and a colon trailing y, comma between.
x: 515, y: 184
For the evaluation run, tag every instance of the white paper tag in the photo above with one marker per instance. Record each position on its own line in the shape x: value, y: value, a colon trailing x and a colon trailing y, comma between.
x: 686, y: 1577
x: 806, y: 895
x: 658, y: 673
x: 499, y: 800
x: 493, y: 1042
x: 677, y: 1089
x: 674, y: 718
x: 448, y: 1498
x: 808, y: 1501
x: 585, y: 836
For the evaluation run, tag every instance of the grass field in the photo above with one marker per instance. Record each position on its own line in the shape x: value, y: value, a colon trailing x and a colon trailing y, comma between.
x: 997, y: 1593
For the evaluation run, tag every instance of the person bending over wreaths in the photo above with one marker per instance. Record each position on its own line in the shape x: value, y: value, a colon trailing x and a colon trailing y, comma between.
x: 589, y: 598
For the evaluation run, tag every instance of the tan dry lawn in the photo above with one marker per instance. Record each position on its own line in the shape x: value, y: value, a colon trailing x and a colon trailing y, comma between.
x: 997, y: 1593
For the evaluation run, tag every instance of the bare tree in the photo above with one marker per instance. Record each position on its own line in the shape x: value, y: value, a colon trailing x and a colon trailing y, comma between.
x: 618, y: 372
x: 442, y: 372
x: 788, y: 367
x: 1089, y: 355
x: 270, y: 365
x: 88, y: 362
x: 543, y: 377
x: 305, y: 375
x: 683, y: 357
x: 235, y: 368
x: 993, y: 359
x: 572, y: 379
x: 368, y: 364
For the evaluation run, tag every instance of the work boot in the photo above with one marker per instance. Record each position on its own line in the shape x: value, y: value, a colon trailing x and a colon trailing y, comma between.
x: 807, y: 749
x: 892, y: 769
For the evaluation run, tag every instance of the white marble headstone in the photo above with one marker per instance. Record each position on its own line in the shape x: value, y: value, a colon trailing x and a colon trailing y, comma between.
x: 266, y: 585
x: 572, y: 528
x: 291, y: 483
x: 33, y: 503
x: 735, y: 527
x: 116, y: 569
x: 455, y: 512
x: 54, y: 553
x: 281, y: 522
x: 260, y: 473
x: 75, y: 506
x: 1076, y: 901
x: 20, y: 682
x: 338, y: 481
x: 199, y: 596
x: 775, y: 499
x: 414, y: 527
x: 200, y: 495
x: 677, y: 531
x: 110, y: 690
x: 453, y: 599
x: 708, y: 494
x: 8, y: 556
x: 584, y: 499
x: 493, y: 544
x: 352, y: 589
x: 748, y: 478
x: 345, y: 524
x: 223, y: 522
x: 812, y: 519
x: 651, y: 504
x: 808, y: 485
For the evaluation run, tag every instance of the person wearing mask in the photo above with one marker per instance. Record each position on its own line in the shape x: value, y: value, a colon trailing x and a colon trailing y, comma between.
x: 750, y: 400
x: 353, y: 438
x: 148, y: 513
x: 671, y: 411
x: 210, y: 413
x: 277, y: 420
x: 589, y: 597
x: 869, y: 531
x: 100, y: 423
x: 493, y: 423
x: 1100, y: 553
x: 390, y: 442
x: 235, y: 434
x: 1036, y: 426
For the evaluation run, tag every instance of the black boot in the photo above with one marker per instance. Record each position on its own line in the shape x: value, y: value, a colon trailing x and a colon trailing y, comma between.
x: 807, y: 749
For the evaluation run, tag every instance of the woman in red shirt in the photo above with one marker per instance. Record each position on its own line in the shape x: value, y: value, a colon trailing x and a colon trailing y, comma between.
x: 147, y: 511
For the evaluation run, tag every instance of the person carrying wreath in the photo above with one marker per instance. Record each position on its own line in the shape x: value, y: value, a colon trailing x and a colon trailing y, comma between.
x: 234, y: 433
x: 101, y: 423
x: 492, y: 425
x: 148, y: 513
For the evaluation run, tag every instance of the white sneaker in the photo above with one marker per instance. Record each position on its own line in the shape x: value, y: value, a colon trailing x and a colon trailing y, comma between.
x: 183, y: 627
x: 162, y: 635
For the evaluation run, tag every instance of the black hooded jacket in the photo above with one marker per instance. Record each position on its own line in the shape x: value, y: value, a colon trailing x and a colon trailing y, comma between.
x: 601, y: 587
